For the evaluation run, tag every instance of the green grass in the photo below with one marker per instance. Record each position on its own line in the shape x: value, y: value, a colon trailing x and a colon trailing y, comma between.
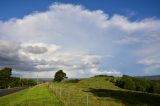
x: 101, y: 92
x: 98, y: 90
x: 35, y: 96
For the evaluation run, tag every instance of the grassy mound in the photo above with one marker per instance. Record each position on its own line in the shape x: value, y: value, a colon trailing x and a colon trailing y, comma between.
x: 36, y: 96
x: 99, y: 91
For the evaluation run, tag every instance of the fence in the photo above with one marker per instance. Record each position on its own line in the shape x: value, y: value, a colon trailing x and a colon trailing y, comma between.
x: 73, y: 97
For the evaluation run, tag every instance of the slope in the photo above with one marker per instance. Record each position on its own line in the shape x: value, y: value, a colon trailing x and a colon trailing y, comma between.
x: 99, y: 91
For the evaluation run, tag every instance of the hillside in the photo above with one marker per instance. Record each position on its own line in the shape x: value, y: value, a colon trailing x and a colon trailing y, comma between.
x: 95, y: 91
x: 98, y: 91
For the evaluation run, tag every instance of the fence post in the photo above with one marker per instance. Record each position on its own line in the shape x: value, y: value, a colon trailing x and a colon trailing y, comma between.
x: 87, y: 99
x: 56, y: 91
x: 68, y: 97
x: 60, y: 92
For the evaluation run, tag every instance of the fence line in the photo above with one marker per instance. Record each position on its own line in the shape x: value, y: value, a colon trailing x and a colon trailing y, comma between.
x: 71, y: 98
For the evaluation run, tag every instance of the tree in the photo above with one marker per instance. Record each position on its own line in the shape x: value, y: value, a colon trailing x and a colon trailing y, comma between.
x: 138, y: 84
x: 59, y: 76
x: 156, y: 88
x: 141, y: 84
x: 126, y: 82
x: 5, y: 75
x: 129, y: 84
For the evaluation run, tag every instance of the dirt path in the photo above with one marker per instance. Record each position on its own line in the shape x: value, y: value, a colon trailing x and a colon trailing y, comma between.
x: 4, y: 92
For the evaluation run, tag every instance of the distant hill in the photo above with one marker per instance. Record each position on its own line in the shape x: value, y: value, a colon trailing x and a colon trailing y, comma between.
x: 155, y: 78
x: 41, y: 80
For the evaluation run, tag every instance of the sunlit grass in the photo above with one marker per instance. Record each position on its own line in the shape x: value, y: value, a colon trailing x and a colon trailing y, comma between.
x: 78, y: 92
x: 36, y: 96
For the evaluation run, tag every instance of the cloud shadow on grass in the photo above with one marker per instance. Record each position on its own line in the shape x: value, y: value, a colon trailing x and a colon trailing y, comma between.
x: 128, y: 97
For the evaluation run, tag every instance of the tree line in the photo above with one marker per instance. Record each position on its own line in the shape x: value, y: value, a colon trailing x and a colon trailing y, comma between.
x: 7, y: 81
x: 137, y: 84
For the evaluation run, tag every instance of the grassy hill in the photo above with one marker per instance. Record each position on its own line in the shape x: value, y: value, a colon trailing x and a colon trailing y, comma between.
x: 35, y: 96
x: 98, y: 91
x: 95, y: 91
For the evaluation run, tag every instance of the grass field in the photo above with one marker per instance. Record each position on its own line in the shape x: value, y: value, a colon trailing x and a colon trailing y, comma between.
x: 97, y: 91
x: 35, y: 96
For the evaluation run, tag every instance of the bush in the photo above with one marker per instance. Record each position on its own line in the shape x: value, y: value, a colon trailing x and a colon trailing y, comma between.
x: 73, y: 81
x: 102, y: 75
x: 113, y: 80
x: 27, y: 82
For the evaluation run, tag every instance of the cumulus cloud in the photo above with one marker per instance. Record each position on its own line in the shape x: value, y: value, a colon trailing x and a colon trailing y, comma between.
x: 8, y: 47
x: 78, y: 40
x: 35, y: 49
x: 10, y: 56
x: 28, y: 64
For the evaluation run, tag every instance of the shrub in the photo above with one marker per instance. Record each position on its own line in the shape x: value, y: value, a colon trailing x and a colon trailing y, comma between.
x: 73, y: 81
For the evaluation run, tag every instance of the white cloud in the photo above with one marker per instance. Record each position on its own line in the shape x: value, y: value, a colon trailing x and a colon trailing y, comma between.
x: 128, y: 40
x: 42, y: 74
x: 35, y: 49
x: 95, y: 71
x: 52, y: 60
x: 76, y: 39
x: 150, y: 57
x: 128, y: 26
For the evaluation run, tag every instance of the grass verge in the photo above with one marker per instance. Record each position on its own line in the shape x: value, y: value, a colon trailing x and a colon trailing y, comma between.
x: 36, y: 96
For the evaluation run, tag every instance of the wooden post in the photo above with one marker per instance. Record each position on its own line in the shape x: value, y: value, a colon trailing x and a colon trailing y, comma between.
x: 68, y: 98
x: 56, y: 91
x: 37, y: 78
x: 60, y: 92
x: 87, y: 100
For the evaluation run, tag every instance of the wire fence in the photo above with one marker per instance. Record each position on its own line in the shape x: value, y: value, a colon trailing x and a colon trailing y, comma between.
x: 72, y: 97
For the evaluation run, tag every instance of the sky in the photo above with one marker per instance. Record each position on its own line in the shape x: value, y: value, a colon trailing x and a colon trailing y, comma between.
x: 82, y: 37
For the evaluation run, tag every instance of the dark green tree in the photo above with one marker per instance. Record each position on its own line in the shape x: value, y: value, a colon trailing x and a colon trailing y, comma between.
x: 14, y: 82
x: 129, y: 84
x: 138, y: 84
x: 126, y: 82
x: 141, y: 84
x: 59, y: 76
x: 156, y: 88
x: 5, y: 75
